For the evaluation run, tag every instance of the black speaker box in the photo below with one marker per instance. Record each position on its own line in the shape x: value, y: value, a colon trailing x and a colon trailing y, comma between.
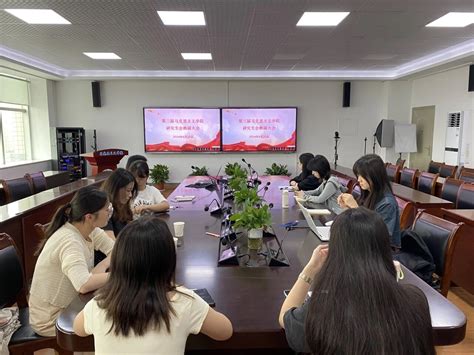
x: 96, y: 102
x: 346, y: 94
x: 470, y: 85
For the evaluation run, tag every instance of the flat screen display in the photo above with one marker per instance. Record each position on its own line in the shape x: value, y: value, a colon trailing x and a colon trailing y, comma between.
x: 259, y: 129
x: 182, y: 129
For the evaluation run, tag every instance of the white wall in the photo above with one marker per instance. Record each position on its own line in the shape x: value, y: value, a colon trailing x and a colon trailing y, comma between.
x: 447, y: 91
x: 119, y: 121
x: 20, y: 170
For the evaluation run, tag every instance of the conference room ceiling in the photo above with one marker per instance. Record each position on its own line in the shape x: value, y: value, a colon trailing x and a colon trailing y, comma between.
x: 242, y: 35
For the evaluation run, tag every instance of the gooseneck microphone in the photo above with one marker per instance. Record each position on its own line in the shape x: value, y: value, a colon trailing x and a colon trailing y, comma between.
x: 255, y: 181
x: 218, y: 210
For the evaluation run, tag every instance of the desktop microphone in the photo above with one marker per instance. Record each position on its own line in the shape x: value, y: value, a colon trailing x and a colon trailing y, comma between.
x: 218, y: 210
x: 252, y: 172
x: 264, y: 187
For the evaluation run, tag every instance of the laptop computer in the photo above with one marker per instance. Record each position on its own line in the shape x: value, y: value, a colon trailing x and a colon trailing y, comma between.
x: 322, y: 232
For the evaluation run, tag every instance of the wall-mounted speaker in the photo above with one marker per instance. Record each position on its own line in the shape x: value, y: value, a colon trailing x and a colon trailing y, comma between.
x: 346, y: 94
x: 96, y: 102
x: 470, y: 85
x: 385, y: 133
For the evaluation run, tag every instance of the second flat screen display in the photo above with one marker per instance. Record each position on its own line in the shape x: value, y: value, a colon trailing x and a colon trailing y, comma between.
x: 259, y: 129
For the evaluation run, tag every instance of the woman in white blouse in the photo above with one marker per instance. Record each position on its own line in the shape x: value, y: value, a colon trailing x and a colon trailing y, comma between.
x: 65, y: 265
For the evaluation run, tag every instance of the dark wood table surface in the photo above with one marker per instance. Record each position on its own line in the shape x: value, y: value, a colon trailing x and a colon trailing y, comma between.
x: 250, y: 296
x: 18, y: 218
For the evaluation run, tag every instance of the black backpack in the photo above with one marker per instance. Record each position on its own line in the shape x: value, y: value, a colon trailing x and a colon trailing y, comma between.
x: 416, y: 256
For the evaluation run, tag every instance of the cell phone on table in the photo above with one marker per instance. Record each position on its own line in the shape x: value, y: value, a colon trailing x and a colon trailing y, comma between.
x: 204, y: 294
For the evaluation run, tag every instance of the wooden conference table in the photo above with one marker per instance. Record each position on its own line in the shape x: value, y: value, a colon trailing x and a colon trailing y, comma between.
x: 250, y: 296
x: 18, y: 218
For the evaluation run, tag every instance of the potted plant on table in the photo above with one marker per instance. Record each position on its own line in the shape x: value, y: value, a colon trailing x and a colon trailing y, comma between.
x: 254, y: 219
x: 277, y: 169
x: 159, y: 174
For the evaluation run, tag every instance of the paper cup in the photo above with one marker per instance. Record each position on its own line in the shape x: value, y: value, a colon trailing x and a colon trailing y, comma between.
x: 175, y: 242
x: 178, y: 229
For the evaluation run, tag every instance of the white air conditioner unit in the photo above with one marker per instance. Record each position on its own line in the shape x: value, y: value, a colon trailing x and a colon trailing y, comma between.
x: 453, y: 145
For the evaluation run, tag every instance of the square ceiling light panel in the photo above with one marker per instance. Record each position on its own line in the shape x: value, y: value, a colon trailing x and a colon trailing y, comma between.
x: 102, y: 55
x: 39, y: 16
x: 197, y: 56
x: 182, y: 18
x: 322, y: 18
x: 454, y: 19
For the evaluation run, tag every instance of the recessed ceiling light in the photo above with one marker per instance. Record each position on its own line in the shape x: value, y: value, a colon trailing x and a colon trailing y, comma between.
x: 453, y: 19
x: 322, y: 18
x: 42, y: 16
x: 197, y: 56
x: 102, y: 55
x: 182, y: 18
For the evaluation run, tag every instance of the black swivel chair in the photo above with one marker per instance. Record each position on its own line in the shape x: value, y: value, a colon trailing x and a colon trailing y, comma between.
x: 24, y: 341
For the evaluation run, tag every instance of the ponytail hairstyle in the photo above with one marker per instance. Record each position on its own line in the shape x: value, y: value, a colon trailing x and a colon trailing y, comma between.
x: 142, y: 273
x: 372, y: 168
x: 304, y: 160
x: 87, y: 200
x: 119, y: 179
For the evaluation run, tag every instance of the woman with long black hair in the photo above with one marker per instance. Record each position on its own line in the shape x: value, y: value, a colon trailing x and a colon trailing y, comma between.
x: 141, y: 310
x: 357, y: 306
x: 377, y: 194
x: 305, y: 180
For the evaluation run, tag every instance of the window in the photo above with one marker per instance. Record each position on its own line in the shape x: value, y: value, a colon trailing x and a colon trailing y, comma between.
x: 14, y: 134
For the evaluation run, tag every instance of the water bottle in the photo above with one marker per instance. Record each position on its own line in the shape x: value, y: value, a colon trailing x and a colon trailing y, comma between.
x: 284, y: 198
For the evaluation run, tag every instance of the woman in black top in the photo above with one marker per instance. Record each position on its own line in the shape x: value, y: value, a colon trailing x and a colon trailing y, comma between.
x: 305, y: 181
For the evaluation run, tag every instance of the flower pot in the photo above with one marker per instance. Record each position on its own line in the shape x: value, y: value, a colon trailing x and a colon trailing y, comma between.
x: 255, y: 238
x: 160, y: 186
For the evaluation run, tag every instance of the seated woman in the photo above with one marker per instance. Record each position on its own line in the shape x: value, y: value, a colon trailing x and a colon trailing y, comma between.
x: 149, y: 198
x: 121, y: 188
x: 306, y: 180
x: 66, y: 257
x: 134, y: 158
x: 141, y: 309
x: 329, y: 190
x: 357, y: 306
x: 376, y: 194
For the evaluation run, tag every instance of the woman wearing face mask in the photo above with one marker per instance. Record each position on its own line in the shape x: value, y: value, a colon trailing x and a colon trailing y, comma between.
x: 66, y: 257
x: 305, y: 180
x: 376, y: 194
x: 329, y: 190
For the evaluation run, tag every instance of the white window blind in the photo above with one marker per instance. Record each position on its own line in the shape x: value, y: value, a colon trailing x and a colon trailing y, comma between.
x: 14, y: 134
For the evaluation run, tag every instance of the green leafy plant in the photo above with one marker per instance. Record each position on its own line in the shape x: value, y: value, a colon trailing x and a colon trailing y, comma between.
x: 239, y: 177
x: 252, y: 217
x: 197, y: 171
x: 237, y: 183
x: 246, y: 196
x: 277, y: 169
x: 232, y: 168
x: 159, y: 173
